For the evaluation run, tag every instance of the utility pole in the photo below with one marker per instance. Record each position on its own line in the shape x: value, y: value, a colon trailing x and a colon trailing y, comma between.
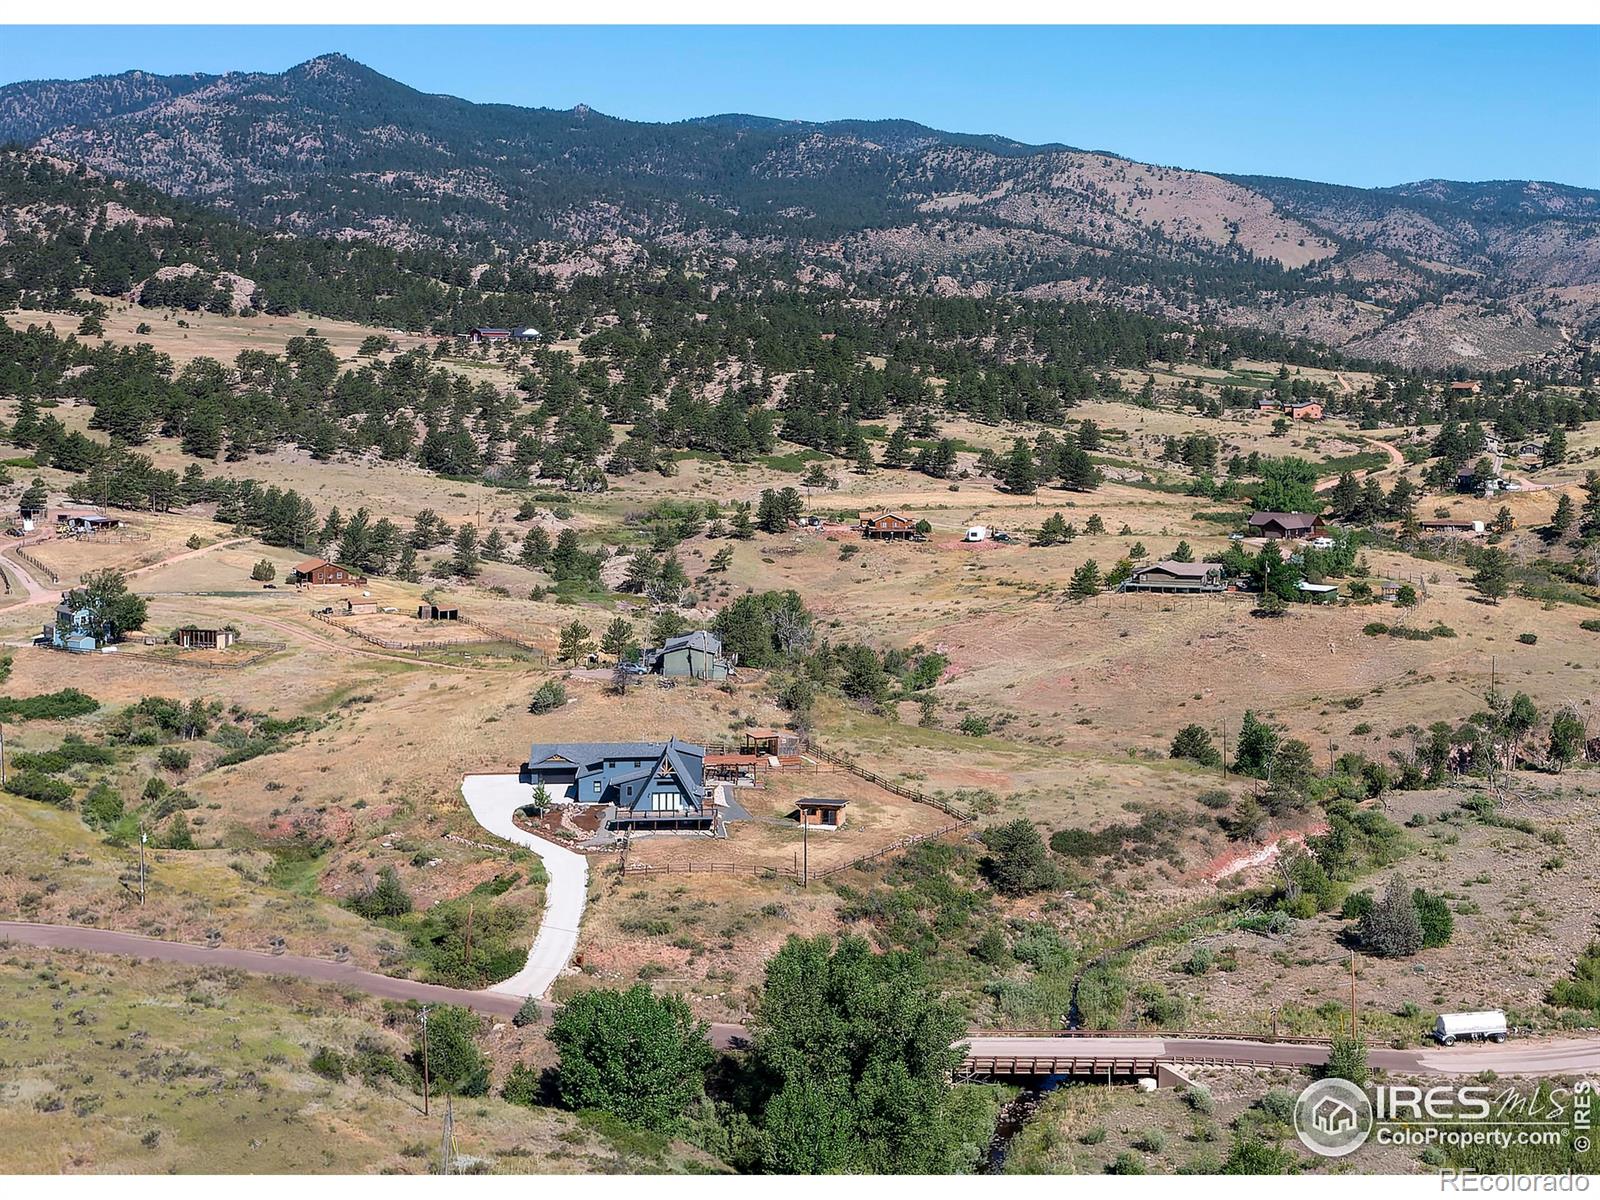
x: 143, y: 839
x: 426, y: 1088
x: 805, y: 848
x: 2, y: 755
x: 467, y: 955
x: 1354, y: 1028
x: 1224, y: 747
x: 447, y: 1143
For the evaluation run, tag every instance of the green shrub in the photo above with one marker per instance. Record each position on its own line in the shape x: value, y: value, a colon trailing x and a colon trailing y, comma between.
x: 1528, y: 639
x: 528, y: 1014
x: 1151, y: 1141
x: 328, y: 1063
x: 53, y: 706
x: 32, y: 785
x: 1126, y: 1163
x: 522, y: 1086
x: 1592, y: 625
x: 549, y: 696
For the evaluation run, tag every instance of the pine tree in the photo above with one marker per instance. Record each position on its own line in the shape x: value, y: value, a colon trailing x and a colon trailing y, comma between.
x: 1053, y: 532
x: 464, y: 559
x: 1492, y: 579
x: 1566, y: 513
x: 1391, y: 927
x: 897, y: 451
x: 494, y: 546
x: 618, y: 638
x: 575, y: 642
x: 1020, y: 474
x: 1085, y: 581
x: 1589, y: 524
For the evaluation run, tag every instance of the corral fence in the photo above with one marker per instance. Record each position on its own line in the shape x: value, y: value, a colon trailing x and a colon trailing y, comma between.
x: 893, y: 847
x: 43, y: 568
x: 495, y: 638
x: 257, y: 652
x: 888, y: 785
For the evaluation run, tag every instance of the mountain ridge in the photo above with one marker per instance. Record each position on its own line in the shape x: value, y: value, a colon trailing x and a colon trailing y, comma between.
x: 1422, y: 273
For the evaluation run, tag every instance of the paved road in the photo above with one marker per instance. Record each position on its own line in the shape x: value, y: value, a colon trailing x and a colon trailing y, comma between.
x: 493, y: 799
x: 320, y: 970
x: 1566, y: 1056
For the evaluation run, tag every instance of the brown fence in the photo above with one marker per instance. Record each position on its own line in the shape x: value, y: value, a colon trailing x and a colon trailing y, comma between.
x: 755, y: 869
x: 888, y: 785
x: 44, y: 569
x: 392, y: 644
x: 893, y: 848
x: 258, y: 652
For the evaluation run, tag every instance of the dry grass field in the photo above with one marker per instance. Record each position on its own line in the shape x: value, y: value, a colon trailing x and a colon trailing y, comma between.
x: 146, y: 1068
x: 1080, y: 702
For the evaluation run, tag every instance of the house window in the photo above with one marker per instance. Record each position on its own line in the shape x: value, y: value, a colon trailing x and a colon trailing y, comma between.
x: 597, y: 784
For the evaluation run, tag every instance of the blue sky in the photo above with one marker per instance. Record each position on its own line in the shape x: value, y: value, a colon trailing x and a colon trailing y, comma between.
x: 1359, y: 105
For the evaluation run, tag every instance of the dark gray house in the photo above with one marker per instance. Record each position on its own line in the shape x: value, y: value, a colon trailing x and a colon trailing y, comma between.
x: 648, y: 784
x: 1170, y: 576
x: 695, y: 655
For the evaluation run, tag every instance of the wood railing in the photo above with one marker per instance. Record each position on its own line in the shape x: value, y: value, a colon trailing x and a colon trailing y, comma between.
x: 889, y: 785
x: 43, y: 568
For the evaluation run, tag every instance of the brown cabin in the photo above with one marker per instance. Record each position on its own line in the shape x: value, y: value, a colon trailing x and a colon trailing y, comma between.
x: 887, y: 525
x: 319, y: 571
x: 828, y: 814
x: 1286, y: 525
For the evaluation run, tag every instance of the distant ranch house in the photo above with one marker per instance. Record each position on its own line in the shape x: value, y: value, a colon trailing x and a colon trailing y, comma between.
x: 1170, y: 576
x: 1470, y: 386
x: 695, y: 655
x: 887, y: 525
x: 319, y: 572
x: 1306, y: 410
x: 646, y: 785
x: 74, y: 630
x: 79, y: 524
x: 1451, y: 526
x: 1286, y: 525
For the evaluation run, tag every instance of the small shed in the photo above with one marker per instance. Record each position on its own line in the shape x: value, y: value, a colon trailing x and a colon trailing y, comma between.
x: 772, y: 742
x: 436, y: 612
x: 194, y: 637
x: 821, y: 813
x: 356, y: 608
x: 1318, y: 593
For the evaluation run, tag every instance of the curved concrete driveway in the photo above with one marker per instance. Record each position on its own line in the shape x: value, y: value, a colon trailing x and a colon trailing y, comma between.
x: 493, y: 799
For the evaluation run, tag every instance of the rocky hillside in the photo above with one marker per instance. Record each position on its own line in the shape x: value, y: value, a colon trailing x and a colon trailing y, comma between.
x: 1434, y: 273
